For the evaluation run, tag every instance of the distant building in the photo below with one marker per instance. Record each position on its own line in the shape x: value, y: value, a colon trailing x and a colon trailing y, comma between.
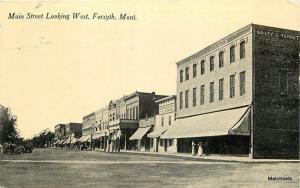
x: 240, y: 95
x: 59, y: 131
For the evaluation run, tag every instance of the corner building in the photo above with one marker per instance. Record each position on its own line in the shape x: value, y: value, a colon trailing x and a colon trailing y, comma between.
x: 240, y: 95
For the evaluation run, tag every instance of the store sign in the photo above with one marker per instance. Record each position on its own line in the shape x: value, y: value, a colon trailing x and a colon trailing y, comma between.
x: 277, y: 34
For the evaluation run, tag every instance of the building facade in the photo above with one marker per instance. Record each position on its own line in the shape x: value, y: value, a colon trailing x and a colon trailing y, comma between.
x: 240, y: 95
x: 163, y: 120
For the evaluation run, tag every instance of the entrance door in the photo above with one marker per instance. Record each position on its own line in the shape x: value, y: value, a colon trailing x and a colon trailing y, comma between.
x: 165, y: 144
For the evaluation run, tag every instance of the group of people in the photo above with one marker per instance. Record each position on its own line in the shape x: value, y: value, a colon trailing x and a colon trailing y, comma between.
x: 201, y: 148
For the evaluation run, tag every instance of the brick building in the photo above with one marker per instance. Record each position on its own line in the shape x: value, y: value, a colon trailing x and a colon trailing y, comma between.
x: 240, y: 95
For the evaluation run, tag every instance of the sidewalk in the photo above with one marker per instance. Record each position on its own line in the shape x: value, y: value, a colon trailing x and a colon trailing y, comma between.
x: 213, y: 157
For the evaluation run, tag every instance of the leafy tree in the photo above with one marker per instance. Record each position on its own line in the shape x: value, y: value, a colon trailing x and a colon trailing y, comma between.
x: 9, y: 132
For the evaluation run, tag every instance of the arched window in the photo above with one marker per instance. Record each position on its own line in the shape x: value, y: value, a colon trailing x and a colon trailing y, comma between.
x: 181, y: 76
x: 232, y: 54
x: 221, y: 59
x: 242, y: 50
x: 194, y: 70
x: 211, y: 63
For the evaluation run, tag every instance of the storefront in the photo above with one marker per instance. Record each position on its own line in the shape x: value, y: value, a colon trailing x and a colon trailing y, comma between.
x: 223, y: 132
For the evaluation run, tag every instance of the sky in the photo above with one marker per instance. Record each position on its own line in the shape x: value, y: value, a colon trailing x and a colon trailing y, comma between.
x: 57, y: 71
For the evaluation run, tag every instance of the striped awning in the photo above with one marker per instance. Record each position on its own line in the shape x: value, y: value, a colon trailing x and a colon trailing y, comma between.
x: 140, y: 132
x: 84, y: 138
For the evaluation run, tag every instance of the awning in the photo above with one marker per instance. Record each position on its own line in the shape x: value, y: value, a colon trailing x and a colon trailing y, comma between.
x: 139, y: 133
x: 66, y: 141
x: 98, y: 135
x: 156, y: 133
x: 84, y: 138
x: 73, y: 140
x: 56, y: 142
x: 228, y: 122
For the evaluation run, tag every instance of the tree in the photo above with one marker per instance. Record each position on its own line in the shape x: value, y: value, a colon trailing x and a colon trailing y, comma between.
x: 9, y: 132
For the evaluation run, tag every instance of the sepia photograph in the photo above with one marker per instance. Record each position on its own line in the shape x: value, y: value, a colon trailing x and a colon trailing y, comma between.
x: 158, y: 93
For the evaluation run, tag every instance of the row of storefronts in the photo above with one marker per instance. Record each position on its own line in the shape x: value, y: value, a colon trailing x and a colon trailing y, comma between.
x: 239, y: 96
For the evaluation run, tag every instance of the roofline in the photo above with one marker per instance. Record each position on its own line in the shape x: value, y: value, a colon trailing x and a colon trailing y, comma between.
x: 165, y: 98
x: 199, y: 53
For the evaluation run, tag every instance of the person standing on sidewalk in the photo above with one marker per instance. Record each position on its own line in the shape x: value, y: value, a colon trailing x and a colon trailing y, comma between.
x: 200, y: 149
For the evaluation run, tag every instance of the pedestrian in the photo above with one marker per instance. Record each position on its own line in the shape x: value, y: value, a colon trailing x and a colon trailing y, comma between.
x: 200, y: 149
x: 207, y: 150
x: 1, y: 149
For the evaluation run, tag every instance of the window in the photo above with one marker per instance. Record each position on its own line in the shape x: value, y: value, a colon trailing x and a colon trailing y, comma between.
x: 133, y: 113
x: 187, y: 75
x: 180, y: 100
x: 221, y: 89
x: 186, y: 98
x: 162, y: 142
x: 170, y: 142
x: 181, y: 76
x: 202, y: 94
x: 137, y: 112
x: 170, y: 120
x: 211, y: 63
x: 232, y: 54
x: 232, y: 86
x: 211, y: 92
x: 194, y: 96
x: 202, y: 65
x: 162, y: 121
x: 242, y: 50
x: 242, y: 83
x: 221, y: 59
x: 283, y: 83
x: 194, y: 70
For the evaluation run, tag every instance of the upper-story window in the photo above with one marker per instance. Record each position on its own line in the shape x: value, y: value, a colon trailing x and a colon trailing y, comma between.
x: 242, y: 83
x: 242, y: 50
x: 202, y: 66
x: 211, y: 63
x: 221, y: 89
x: 187, y: 74
x: 181, y: 76
x: 211, y: 92
x: 180, y: 100
x: 194, y: 96
x: 194, y: 70
x: 232, y: 54
x: 162, y: 121
x: 232, y: 86
x: 170, y: 120
x: 221, y: 59
x: 202, y: 94
x: 186, y: 98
